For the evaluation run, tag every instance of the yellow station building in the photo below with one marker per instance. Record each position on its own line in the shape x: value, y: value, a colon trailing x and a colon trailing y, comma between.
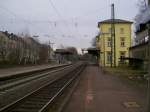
x: 106, y: 43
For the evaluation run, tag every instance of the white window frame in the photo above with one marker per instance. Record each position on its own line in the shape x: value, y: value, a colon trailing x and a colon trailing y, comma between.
x: 109, y: 30
x: 109, y: 57
x: 122, y: 42
x: 108, y: 42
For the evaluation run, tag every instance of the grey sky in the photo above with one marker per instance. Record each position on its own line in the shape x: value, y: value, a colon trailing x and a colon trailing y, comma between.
x: 75, y: 23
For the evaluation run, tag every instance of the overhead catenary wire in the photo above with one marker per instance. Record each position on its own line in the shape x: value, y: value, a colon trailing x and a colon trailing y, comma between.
x: 34, y: 22
x: 27, y: 22
x: 59, y: 14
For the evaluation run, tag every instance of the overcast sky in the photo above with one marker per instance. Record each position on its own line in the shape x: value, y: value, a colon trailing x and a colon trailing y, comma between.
x: 63, y: 22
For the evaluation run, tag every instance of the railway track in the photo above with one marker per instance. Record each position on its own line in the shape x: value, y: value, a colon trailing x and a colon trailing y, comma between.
x: 40, y: 99
x: 10, y: 82
x: 17, y: 87
x: 15, y: 77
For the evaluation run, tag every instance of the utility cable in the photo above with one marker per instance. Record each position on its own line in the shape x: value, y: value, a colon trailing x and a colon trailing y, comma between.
x: 18, y: 17
x: 59, y: 15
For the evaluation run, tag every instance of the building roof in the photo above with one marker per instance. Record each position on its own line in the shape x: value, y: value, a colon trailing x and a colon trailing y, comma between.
x: 94, y: 51
x: 109, y: 21
x: 142, y: 19
x: 62, y: 51
x: 141, y: 27
x: 139, y: 45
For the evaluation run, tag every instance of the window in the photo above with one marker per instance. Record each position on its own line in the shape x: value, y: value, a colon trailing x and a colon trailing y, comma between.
x: 109, y: 30
x: 122, y: 54
x: 97, y: 38
x: 121, y: 30
x: 122, y: 42
x: 109, y: 42
x: 108, y: 57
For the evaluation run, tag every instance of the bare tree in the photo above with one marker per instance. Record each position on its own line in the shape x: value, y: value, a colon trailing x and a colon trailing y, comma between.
x: 73, y: 50
x: 43, y: 54
x: 95, y: 40
x: 143, y: 14
x: 73, y: 54
x: 142, y: 4
x: 3, y: 47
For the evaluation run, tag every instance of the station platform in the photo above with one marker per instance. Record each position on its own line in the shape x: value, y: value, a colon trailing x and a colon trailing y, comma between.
x: 99, y: 92
x: 18, y: 70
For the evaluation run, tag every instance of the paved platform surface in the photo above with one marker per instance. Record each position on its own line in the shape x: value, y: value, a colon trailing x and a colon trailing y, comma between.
x: 98, y: 92
x: 16, y: 70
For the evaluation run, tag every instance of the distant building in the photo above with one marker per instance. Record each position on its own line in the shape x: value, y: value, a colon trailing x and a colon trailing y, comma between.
x: 122, y: 41
x: 64, y: 55
x: 4, y: 40
x: 22, y: 50
x: 32, y: 50
x: 44, y: 54
x: 140, y: 49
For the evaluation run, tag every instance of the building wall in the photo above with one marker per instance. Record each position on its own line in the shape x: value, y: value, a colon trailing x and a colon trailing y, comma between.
x: 103, y: 41
x: 139, y: 52
x: 20, y: 50
x: 141, y: 37
x: 3, y: 47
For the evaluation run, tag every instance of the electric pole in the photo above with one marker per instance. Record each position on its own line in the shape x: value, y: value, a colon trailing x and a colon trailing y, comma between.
x: 148, y: 91
x: 51, y: 44
x: 113, y: 40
